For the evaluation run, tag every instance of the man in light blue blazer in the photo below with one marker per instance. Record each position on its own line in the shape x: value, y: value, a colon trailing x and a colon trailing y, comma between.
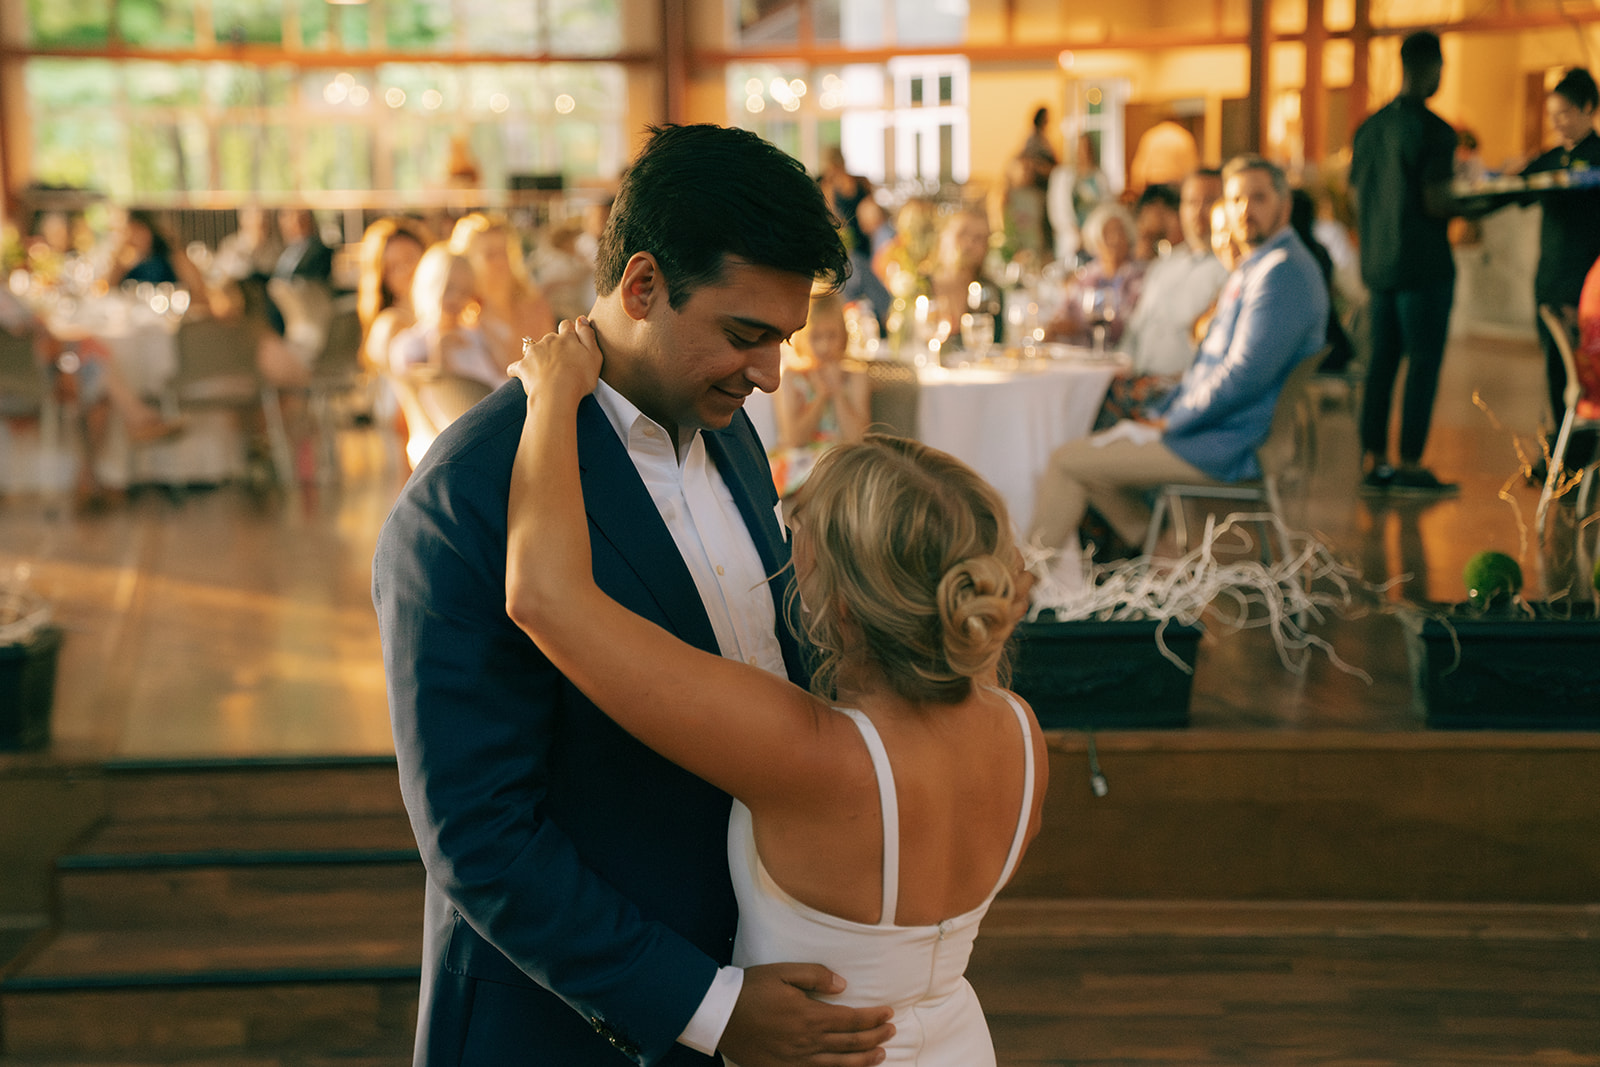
x: 1271, y: 315
x: 579, y: 911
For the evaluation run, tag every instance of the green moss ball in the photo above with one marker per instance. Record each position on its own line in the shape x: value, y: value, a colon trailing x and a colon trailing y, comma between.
x: 1492, y: 578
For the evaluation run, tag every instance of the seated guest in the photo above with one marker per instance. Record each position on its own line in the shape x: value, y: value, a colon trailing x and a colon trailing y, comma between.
x: 1270, y: 317
x: 1101, y: 295
x: 1303, y: 217
x: 143, y: 252
x: 561, y: 269
x: 956, y: 282
x: 252, y: 250
x: 1178, y: 288
x: 304, y: 255
x: 818, y: 403
x: 511, y: 306
x: 444, y: 342
x: 1156, y: 225
x: 390, y: 251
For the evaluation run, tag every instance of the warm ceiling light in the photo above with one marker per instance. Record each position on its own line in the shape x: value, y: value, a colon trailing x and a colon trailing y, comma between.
x: 347, y: 3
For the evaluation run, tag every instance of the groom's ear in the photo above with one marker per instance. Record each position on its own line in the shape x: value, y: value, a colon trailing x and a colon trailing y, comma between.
x: 642, y: 285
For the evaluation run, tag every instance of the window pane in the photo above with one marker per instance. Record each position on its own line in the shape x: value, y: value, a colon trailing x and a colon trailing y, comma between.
x: 418, y: 24
x: 255, y: 158
x: 166, y: 157
x: 336, y: 155
x: 825, y: 21
x: 65, y: 83
x: 351, y: 26
x: 930, y: 21
x: 494, y: 26
x: 232, y: 85
x: 170, y: 84
x: 82, y: 149
x: 155, y: 23
x: 69, y: 22
x: 584, y: 27
x: 769, y: 21
x: 247, y: 21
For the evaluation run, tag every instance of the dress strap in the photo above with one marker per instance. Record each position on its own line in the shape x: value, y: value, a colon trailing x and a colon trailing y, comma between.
x: 1027, y: 792
x: 890, y: 803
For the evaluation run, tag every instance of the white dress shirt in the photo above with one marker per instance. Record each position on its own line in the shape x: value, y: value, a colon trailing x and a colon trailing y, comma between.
x: 1178, y: 288
x: 705, y: 523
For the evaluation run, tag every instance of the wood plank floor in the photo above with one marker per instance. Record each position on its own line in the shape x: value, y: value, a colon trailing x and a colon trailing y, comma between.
x: 230, y: 623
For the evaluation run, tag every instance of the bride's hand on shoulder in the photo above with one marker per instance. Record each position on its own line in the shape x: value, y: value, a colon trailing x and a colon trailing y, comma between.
x: 570, y: 358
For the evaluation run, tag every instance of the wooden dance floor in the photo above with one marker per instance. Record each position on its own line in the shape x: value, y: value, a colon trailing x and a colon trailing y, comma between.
x: 1307, y: 875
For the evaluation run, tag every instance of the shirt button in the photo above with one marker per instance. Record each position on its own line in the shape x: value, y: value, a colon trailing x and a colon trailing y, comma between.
x: 719, y: 569
x: 751, y: 661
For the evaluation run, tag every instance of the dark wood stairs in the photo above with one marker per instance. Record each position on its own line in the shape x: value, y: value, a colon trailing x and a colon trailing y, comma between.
x: 259, y: 913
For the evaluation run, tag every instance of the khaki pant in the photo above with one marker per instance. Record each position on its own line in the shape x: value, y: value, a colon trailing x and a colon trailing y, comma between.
x: 1112, y: 478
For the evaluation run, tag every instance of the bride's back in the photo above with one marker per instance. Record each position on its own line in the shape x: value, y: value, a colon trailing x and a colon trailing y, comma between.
x: 905, y: 564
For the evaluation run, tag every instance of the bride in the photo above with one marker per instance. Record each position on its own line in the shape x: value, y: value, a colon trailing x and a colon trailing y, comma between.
x: 877, y: 816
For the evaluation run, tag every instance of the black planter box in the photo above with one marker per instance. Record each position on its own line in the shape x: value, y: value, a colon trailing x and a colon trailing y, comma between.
x: 1104, y: 675
x: 27, y: 690
x: 1513, y: 673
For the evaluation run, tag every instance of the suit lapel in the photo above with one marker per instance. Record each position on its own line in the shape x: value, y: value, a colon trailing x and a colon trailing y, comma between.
x: 621, y: 511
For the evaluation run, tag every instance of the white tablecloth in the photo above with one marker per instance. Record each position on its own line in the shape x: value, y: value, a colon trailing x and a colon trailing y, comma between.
x: 1006, y: 423
x: 1002, y: 421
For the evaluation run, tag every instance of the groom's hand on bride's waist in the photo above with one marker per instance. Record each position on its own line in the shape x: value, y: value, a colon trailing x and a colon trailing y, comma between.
x: 776, y: 1022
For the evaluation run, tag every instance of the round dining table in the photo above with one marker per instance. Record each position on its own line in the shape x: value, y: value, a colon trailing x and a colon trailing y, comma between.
x: 1004, y: 418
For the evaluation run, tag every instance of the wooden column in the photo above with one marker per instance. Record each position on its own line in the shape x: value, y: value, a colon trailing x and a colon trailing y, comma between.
x: 1314, y: 94
x: 1260, y: 44
x: 1361, y: 42
x: 674, y: 60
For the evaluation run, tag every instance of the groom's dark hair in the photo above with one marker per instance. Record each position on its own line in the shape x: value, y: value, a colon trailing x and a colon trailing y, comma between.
x: 697, y: 194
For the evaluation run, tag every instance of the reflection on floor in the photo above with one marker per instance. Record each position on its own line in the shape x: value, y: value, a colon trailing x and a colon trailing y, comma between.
x: 231, y: 623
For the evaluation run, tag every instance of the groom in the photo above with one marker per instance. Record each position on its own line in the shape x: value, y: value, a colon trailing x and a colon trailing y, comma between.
x: 579, y: 910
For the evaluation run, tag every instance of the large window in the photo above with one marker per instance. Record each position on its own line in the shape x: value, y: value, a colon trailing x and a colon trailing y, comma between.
x: 192, y: 126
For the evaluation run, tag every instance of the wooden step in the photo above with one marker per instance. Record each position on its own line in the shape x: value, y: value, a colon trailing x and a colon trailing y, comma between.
x: 282, y: 1022
x: 200, y: 789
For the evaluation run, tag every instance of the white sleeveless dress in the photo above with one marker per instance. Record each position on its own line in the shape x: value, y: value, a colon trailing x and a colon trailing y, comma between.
x: 918, y: 970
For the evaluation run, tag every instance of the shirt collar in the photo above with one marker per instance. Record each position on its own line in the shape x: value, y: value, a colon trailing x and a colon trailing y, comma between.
x: 624, y: 414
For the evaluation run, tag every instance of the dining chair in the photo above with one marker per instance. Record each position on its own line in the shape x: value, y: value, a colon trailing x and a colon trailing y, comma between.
x: 893, y: 396
x: 1582, y: 413
x: 1288, y: 451
x: 337, y: 374
x: 26, y: 392
x: 217, y: 369
x: 431, y: 401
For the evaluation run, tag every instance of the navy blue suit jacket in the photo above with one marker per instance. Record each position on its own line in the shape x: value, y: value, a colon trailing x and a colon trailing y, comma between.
x: 578, y: 900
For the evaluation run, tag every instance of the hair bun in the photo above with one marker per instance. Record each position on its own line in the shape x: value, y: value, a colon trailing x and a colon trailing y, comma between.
x: 976, y: 611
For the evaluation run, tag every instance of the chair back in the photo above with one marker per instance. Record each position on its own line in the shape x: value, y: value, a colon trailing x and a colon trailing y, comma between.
x: 1286, y: 441
x: 340, y: 359
x: 430, y: 402
x: 892, y: 397
x: 24, y: 384
x: 216, y: 363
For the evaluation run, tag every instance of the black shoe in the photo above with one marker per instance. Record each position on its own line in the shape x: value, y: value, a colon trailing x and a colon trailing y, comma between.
x: 1420, y: 481
x: 1379, y: 479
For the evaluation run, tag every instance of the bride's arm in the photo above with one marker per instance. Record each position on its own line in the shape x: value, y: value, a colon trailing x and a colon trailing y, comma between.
x: 746, y: 731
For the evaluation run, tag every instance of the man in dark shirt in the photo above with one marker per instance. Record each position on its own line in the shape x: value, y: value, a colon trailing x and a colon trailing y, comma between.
x: 1401, y: 165
x: 1569, y: 232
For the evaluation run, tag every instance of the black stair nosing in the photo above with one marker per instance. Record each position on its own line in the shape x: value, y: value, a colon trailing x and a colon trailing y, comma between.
x: 230, y: 857
x: 198, y: 764
x: 230, y: 978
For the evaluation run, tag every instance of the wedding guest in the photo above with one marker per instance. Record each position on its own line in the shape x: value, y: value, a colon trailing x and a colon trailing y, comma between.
x: 1178, y: 289
x: 252, y: 250
x: 1269, y: 318
x: 1102, y: 293
x: 304, y: 254
x: 957, y: 281
x: 1156, y: 226
x: 1569, y: 231
x: 391, y: 248
x: 1073, y: 191
x: 819, y: 402
x: 1401, y: 166
x: 444, y: 339
x: 511, y: 305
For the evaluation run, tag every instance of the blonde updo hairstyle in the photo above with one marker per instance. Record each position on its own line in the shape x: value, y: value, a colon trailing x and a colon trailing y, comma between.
x: 914, y: 569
